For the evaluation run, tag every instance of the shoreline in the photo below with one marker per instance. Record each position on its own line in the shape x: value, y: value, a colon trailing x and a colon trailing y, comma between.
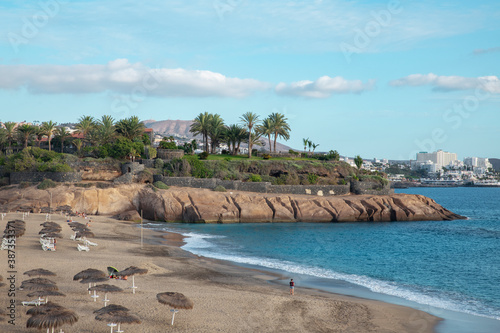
x: 448, y: 320
x: 227, y: 297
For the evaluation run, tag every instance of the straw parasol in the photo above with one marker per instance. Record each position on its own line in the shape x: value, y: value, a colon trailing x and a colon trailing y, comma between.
x: 111, y: 308
x: 94, y: 280
x: 88, y: 273
x: 84, y: 233
x: 49, y: 231
x: 45, y: 293
x: 120, y: 317
x: 52, y: 319
x: 47, y: 307
x: 39, y: 284
x: 39, y: 272
x: 176, y: 301
x: 50, y: 224
x: 106, y: 288
x: 131, y: 271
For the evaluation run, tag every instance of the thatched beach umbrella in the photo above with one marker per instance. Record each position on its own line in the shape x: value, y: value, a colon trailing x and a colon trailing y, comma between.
x: 52, y: 319
x: 49, y: 231
x: 39, y: 272
x: 50, y: 224
x: 120, y: 317
x: 89, y: 273
x: 45, y: 293
x: 94, y: 280
x: 44, y: 308
x: 84, y: 234
x: 110, y: 308
x: 106, y: 288
x: 131, y: 271
x: 38, y: 284
x: 176, y: 301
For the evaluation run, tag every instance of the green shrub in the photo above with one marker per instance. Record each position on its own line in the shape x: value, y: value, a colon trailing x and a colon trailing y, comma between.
x: 84, y: 185
x: 254, y: 178
x: 158, y: 164
x: 220, y: 188
x: 47, y: 183
x: 203, y: 155
x: 198, y: 168
x: 266, y: 156
x: 161, y: 185
x: 24, y: 185
x: 312, y: 178
x: 227, y: 159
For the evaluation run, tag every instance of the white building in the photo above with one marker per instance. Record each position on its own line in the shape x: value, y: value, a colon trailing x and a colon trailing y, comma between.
x: 440, y: 158
x: 478, y: 162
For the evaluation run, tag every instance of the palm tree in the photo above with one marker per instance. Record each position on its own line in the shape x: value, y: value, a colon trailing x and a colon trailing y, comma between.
x: 216, y: 131
x: 249, y: 119
x: 201, y: 125
x: 130, y: 128
x: 315, y: 145
x: 233, y: 135
x: 358, y: 161
x: 266, y: 128
x: 105, y: 129
x: 3, y: 137
x: 40, y: 133
x: 78, y: 144
x: 310, y: 144
x: 49, y: 128
x: 25, y: 131
x: 280, y: 127
x: 62, y: 134
x: 9, y: 127
x: 85, y: 126
x: 305, y: 142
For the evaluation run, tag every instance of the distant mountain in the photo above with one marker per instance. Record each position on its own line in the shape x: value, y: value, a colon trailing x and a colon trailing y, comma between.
x: 495, y: 162
x: 180, y: 128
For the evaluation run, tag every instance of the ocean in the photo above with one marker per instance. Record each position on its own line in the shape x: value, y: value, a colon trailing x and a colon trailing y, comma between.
x: 448, y: 268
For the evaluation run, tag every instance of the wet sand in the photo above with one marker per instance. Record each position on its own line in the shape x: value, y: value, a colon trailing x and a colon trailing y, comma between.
x: 227, y: 298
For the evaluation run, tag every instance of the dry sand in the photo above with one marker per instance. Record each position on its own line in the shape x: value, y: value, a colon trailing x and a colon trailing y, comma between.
x: 227, y: 298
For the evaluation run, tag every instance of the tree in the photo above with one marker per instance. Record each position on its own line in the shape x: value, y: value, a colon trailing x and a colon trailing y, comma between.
x: 78, y: 144
x: 266, y: 128
x: 10, y: 128
x: 49, y: 128
x: 309, y: 144
x: 201, y: 125
x: 3, y: 137
x: 25, y: 131
x: 333, y: 155
x: 85, y: 125
x: 130, y: 128
x: 305, y: 142
x: 216, y: 131
x: 280, y: 127
x: 249, y: 119
x: 62, y: 134
x: 315, y: 145
x: 233, y: 135
x: 40, y: 133
x: 358, y: 161
x: 105, y: 131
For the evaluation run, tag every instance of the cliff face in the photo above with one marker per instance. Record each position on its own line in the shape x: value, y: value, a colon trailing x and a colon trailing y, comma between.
x: 206, y: 206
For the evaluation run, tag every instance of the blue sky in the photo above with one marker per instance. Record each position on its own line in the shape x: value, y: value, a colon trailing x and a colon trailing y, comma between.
x: 381, y: 79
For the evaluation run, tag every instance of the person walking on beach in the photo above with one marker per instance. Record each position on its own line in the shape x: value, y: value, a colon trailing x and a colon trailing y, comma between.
x: 292, y: 286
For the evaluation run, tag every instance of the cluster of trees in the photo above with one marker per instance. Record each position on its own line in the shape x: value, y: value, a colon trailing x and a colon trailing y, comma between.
x: 123, y: 137
x: 310, y: 144
x: 213, y: 129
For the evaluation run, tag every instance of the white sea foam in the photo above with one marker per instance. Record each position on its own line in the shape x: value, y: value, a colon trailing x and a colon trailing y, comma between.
x: 200, y: 244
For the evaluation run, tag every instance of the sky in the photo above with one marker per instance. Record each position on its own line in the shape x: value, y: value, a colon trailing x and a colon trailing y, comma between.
x: 382, y: 79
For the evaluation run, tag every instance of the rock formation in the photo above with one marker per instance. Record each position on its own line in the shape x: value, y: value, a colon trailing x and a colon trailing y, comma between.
x: 206, y: 206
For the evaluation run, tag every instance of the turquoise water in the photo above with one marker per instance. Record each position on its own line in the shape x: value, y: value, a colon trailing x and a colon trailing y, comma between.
x: 448, y: 265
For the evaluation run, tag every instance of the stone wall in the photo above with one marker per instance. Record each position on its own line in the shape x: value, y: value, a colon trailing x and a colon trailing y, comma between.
x: 259, y: 187
x: 373, y: 188
x: 32, y: 177
x: 132, y: 167
x: 170, y: 154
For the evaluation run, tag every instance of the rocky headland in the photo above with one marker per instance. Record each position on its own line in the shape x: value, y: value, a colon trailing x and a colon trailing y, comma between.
x: 206, y: 206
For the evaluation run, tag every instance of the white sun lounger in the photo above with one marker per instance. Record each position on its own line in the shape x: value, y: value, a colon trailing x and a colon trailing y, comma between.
x: 82, y: 248
x: 87, y: 242
x: 36, y: 302
x: 48, y: 247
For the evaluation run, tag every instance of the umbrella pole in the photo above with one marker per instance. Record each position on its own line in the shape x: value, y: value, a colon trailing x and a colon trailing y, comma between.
x: 174, y: 311
x: 118, y: 330
x: 106, y: 300
x: 90, y: 285
x: 133, y: 284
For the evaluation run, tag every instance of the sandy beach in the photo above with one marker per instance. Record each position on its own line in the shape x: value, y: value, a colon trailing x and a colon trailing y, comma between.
x: 227, y: 298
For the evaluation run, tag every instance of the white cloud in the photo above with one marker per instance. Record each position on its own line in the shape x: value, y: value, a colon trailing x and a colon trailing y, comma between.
x: 323, y: 87
x: 450, y: 83
x: 123, y: 77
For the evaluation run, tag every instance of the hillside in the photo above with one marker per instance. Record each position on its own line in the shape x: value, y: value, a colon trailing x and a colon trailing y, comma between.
x: 180, y: 128
x: 496, y: 163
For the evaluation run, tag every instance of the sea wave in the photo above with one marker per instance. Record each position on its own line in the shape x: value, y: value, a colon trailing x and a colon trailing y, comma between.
x: 200, y: 244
